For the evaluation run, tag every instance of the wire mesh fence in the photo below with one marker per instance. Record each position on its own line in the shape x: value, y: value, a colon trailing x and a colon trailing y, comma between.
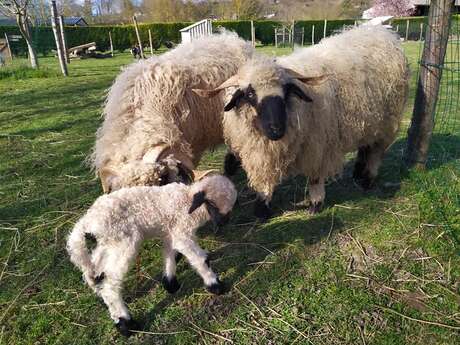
x: 436, y: 115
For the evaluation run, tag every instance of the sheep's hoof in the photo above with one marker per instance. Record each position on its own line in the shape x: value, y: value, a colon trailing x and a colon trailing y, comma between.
x: 171, y: 285
x: 218, y: 288
x: 231, y: 164
x: 125, y: 326
x: 315, y: 207
x: 262, y: 211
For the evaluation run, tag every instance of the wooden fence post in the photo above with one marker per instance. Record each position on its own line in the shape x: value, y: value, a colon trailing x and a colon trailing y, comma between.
x: 421, y: 32
x: 58, y: 39
x: 151, y: 42
x: 9, y: 47
x: 141, y: 48
x: 64, y: 43
x: 407, y: 30
x: 325, y: 28
x: 434, y: 51
x: 313, y: 35
x: 276, y: 37
x: 253, y: 34
x: 303, y: 34
x: 111, y: 43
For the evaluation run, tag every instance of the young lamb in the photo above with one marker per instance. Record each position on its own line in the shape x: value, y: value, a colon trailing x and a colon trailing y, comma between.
x: 151, y: 113
x: 120, y: 221
x: 302, y: 113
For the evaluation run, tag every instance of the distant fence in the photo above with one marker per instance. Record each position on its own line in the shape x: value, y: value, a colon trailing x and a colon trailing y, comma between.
x: 199, y: 29
x: 124, y: 36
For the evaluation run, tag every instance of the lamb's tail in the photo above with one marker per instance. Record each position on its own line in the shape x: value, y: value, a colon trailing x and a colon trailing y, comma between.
x: 80, y: 255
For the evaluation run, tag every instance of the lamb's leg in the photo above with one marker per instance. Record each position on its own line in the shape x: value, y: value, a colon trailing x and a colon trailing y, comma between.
x: 361, y: 161
x: 317, y: 193
x: 199, y: 260
x: 170, y: 257
x: 231, y: 164
x: 115, y: 263
x: 262, y: 207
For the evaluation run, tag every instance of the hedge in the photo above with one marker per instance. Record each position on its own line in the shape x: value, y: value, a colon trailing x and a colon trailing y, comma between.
x: 124, y: 36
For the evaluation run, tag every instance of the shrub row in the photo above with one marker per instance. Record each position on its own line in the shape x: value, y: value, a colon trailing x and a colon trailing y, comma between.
x: 124, y: 36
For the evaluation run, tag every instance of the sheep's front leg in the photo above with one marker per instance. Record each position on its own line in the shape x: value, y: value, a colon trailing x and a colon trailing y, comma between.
x: 199, y: 261
x: 262, y: 207
x: 170, y: 257
x: 317, y: 193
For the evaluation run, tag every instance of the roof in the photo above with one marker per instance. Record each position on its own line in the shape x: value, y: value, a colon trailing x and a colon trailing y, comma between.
x: 72, y: 21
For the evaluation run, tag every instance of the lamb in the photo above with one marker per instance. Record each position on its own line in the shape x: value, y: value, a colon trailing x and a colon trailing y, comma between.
x: 302, y: 113
x: 151, y: 114
x: 121, y: 220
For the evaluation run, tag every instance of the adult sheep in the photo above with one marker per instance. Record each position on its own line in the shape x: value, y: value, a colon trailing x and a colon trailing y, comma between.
x: 155, y: 128
x: 302, y: 113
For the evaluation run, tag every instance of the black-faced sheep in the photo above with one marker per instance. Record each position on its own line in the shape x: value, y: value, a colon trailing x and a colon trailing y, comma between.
x: 151, y: 113
x: 302, y: 113
x: 121, y: 220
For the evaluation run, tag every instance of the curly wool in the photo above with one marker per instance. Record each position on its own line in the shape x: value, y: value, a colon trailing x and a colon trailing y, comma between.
x: 360, y: 103
x: 121, y: 220
x: 151, y: 104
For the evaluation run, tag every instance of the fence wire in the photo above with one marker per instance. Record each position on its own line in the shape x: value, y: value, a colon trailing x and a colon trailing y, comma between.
x: 445, y: 139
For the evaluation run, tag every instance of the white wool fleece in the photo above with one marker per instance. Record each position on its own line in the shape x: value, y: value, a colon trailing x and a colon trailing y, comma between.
x: 120, y: 221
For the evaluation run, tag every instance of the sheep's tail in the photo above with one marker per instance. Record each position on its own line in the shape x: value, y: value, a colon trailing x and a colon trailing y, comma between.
x: 80, y: 255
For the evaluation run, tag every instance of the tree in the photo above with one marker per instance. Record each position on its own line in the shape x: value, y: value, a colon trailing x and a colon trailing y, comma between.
x: 396, y: 8
x: 20, y: 10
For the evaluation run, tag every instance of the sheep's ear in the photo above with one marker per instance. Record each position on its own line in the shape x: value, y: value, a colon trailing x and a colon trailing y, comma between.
x: 108, y: 179
x: 234, y: 100
x: 198, y: 200
x: 232, y: 81
x: 312, y: 81
x: 293, y: 89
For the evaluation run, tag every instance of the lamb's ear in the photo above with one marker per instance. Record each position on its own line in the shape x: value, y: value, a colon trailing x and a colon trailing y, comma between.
x: 312, y: 81
x: 234, y: 100
x: 108, y: 179
x: 232, y: 81
x: 198, y: 200
x: 293, y: 89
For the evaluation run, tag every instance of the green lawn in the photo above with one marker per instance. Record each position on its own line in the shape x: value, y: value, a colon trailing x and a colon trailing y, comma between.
x: 378, y: 267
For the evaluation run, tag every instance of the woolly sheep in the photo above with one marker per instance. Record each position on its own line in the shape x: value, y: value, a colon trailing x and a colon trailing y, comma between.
x: 151, y: 113
x: 302, y: 113
x: 121, y: 220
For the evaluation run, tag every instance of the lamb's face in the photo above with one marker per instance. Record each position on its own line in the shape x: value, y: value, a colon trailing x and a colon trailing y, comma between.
x: 217, y: 194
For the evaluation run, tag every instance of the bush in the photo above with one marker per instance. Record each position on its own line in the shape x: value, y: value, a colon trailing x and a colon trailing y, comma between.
x: 124, y: 36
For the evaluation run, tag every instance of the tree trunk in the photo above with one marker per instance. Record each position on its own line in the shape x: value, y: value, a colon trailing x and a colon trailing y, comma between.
x: 23, y: 25
x: 434, y: 51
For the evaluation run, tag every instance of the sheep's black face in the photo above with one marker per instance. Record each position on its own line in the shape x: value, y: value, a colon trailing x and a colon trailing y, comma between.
x: 272, y: 114
x: 271, y: 109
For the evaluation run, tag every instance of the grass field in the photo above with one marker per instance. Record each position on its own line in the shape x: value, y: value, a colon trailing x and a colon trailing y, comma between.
x: 378, y: 267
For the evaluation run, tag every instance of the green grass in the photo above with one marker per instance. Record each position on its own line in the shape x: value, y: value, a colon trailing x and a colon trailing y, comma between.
x: 378, y: 267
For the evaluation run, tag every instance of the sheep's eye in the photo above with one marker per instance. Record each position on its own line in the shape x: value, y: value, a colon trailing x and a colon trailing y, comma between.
x: 250, y: 95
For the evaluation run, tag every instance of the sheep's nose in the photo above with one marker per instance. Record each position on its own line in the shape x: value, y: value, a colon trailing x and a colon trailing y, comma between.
x: 275, y: 129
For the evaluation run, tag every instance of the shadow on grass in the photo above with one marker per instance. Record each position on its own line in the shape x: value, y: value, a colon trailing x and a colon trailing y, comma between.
x: 256, y: 245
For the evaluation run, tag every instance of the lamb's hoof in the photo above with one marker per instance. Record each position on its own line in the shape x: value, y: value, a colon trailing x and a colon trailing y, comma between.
x: 262, y: 211
x: 125, y: 326
x: 170, y: 285
x: 178, y: 257
x: 218, y: 288
x: 231, y: 164
x: 315, y: 208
